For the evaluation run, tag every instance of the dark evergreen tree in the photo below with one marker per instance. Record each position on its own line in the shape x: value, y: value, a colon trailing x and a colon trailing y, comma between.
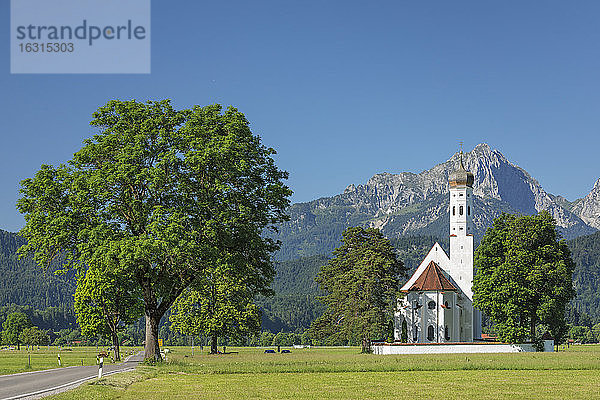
x: 360, y: 288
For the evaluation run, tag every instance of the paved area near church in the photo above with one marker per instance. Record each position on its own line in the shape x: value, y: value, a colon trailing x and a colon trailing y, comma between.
x: 37, y: 384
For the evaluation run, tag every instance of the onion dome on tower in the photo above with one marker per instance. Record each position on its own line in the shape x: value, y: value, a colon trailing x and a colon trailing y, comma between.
x: 460, y: 176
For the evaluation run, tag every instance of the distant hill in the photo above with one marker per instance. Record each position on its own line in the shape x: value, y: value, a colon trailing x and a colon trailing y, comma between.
x: 24, y: 283
x: 295, y: 304
x: 586, y: 279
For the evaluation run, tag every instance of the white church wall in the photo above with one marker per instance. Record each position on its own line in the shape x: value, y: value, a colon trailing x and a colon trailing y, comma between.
x: 448, y: 311
x: 389, y: 349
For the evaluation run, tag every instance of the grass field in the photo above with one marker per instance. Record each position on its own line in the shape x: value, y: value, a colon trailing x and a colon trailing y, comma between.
x: 342, y: 373
x: 14, y: 361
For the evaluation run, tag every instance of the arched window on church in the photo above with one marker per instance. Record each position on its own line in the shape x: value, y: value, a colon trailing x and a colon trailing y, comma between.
x: 453, y: 210
x: 461, y: 210
x: 468, y: 210
x: 431, y: 305
x: 446, y: 333
x: 416, y: 334
x: 430, y: 333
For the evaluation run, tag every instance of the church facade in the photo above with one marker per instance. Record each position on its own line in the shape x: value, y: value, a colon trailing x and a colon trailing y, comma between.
x: 438, y: 302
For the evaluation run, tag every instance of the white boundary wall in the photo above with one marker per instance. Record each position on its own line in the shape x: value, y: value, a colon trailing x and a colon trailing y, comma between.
x: 384, y: 349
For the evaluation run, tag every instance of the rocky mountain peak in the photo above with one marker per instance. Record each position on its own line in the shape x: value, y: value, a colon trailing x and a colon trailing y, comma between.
x: 588, y: 208
x: 495, y: 178
x: 417, y: 203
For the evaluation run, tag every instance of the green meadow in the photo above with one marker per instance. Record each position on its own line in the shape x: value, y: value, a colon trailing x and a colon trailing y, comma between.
x: 342, y: 373
x: 14, y: 361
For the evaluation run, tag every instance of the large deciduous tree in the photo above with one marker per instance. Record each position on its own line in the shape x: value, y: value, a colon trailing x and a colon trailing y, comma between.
x: 524, y: 277
x: 158, y: 193
x: 105, y: 302
x: 360, y: 286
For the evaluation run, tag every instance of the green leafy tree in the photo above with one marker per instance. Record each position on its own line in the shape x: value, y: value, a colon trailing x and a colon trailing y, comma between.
x: 105, y: 303
x: 266, y: 339
x: 306, y: 338
x: 596, y: 332
x: 360, y: 286
x: 286, y: 339
x: 581, y: 334
x: 33, y: 336
x: 222, y: 303
x: 12, y: 328
x: 524, y: 277
x: 160, y: 194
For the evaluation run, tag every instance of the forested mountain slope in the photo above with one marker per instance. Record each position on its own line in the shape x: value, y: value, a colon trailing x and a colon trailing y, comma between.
x: 24, y: 283
x: 586, y: 254
x: 295, y: 303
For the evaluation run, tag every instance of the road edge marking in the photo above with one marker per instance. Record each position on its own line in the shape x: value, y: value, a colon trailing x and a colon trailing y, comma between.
x: 79, y: 381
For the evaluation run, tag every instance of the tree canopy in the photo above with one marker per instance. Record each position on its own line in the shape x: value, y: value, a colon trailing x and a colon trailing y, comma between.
x: 105, y: 302
x: 222, y: 302
x: 33, y: 336
x: 12, y: 328
x: 161, y: 194
x: 524, y: 277
x: 360, y: 288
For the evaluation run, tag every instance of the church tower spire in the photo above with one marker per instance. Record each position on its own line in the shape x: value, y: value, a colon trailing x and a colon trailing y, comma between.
x: 461, y: 239
x: 461, y: 201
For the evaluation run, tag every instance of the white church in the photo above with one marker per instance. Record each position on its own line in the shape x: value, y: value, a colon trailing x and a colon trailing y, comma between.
x: 436, y: 314
x: 438, y: 305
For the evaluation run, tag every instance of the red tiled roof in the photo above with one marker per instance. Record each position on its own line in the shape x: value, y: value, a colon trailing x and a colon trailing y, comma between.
x: 488, y: 336
x: 432, y: 278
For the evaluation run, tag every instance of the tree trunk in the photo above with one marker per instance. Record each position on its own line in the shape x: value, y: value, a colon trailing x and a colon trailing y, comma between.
x: 366, y: 345
x: 532, y: 329
x: 213, y: 344
x: 115, y: 341
x: 151, y: 350
x: 154, y: 312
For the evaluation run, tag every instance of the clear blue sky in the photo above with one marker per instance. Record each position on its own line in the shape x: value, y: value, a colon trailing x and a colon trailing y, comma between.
x: 345, y: 89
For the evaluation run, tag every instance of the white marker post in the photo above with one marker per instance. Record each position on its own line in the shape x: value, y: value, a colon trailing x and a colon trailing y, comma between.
x: 59, y: 363
x: 100, y: 364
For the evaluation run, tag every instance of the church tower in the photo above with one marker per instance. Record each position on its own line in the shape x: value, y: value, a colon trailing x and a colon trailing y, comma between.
x: 461, y: 227
x: 461, y: 246
x: 438, y: 303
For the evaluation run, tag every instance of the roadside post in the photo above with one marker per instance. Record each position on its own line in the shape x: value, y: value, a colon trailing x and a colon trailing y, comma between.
x: 59, y: 363
x: 100, y: 365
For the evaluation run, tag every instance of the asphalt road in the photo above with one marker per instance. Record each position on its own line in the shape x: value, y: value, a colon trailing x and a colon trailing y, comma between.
x: 35, y: 384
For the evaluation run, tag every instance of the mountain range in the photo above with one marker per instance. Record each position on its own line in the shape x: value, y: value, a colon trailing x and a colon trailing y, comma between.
x: 411, y: 209
x: 417, y: 204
